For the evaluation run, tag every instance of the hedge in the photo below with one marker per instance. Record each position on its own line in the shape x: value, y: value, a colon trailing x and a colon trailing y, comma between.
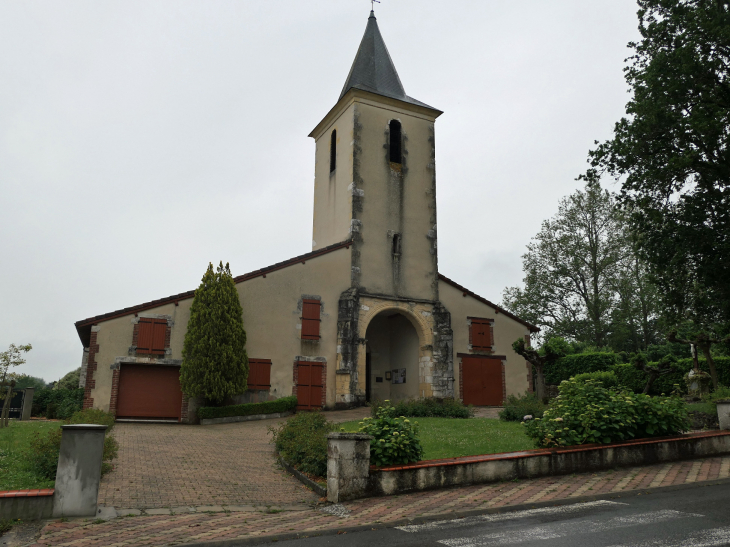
x: 57, y: 403
x: 578, y: 363
x: 285, y: 404
x: 635, y: 380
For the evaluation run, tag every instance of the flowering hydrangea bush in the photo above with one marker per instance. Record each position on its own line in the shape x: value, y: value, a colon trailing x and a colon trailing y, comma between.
x: 395, y: 440
x: 586, y: 412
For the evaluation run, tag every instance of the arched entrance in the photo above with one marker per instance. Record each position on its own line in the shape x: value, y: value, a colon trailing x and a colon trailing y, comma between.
x: 392, y: 357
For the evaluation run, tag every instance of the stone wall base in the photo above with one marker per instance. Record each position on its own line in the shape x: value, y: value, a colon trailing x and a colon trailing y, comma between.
x: 428, y: 475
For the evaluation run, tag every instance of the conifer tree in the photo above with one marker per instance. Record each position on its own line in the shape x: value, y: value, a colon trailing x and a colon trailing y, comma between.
x: 215, y: 364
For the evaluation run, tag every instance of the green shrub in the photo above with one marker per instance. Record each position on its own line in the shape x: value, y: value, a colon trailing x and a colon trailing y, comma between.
x: 587, y: 412
x: 427, y: 408
x: 285, y: 404
x: 578, y: 363
x: 516, y: 408
x: 635, y: 380
x: 302, y: 442
x: 395, y: 440
x: 607, y: 378
x: 57, y: 403
x: 722, y: 392
x: 44, y: 449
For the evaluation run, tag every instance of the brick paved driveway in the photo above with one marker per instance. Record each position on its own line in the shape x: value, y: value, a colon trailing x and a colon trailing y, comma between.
x: 161, y: 465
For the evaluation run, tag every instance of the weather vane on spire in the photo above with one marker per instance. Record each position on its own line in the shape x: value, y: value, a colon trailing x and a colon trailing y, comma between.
x: 372, y: 4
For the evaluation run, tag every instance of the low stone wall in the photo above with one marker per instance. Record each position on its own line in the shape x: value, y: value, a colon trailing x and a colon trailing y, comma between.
x: 433, y: 474
x: 249, y: 418
x: 348, y: 476
x: 26, y: 504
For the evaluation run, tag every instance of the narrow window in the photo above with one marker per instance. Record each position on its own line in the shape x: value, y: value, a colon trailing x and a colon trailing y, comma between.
x: 311, y: 319
x: 333, y: 151
x: 395, y: 142
x: 396, y: 244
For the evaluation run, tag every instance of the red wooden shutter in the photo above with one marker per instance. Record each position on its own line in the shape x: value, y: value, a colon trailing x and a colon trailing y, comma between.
x: 481, y: 334
x: 310, y: 319
x: 259, y: 374
x: 310, y: 385
x: 151, y: 336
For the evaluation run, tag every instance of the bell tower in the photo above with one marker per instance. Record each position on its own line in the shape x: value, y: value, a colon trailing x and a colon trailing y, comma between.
x: 375, y: 178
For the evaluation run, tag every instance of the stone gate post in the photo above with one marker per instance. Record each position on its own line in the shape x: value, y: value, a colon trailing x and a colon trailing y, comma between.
x: 348, y: 466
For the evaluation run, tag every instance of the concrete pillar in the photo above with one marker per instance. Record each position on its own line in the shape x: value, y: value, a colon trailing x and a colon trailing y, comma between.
x: 27, y: 403
x: 79, y: 470
x: 723, y: 413
x: 348, y: 466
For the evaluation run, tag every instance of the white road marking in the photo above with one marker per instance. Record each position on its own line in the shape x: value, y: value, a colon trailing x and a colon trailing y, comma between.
x: 716, y: 537
x: 458, y: 523
x: 563, y: 529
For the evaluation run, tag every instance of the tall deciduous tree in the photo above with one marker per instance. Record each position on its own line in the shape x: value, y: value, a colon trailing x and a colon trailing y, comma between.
x: 582, y: 280
x: 672, y: 153
x: 10, y: 358
x: 215, y: 364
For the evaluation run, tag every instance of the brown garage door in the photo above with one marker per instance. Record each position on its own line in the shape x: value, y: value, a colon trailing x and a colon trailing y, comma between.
x: 147, y: 391
x: 310, y: 385
x: 482, y: 381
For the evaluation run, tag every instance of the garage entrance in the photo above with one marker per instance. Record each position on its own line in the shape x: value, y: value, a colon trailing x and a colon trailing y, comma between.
x: 149, y: 391
x: 482, y: 380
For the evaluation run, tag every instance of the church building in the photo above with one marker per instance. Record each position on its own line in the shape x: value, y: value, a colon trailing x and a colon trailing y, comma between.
x: 365, y: 315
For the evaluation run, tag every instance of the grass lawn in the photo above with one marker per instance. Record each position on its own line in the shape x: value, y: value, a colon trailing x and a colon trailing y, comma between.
x: 707, y: 408
x: 453, y: 437
x: 15, y: 473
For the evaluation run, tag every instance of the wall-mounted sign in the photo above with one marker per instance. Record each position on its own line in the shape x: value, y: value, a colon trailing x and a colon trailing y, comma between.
x: 399, y: 376
x: 387, y: 376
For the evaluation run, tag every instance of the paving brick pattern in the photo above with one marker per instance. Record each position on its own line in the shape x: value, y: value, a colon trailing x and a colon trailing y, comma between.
x: 161, y: 465
x: 239, y: 524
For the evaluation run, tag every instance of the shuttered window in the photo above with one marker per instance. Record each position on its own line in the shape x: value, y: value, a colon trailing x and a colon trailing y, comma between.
x: 259, y: 374
x: 481, y: 334
x: 151, y: 336
x: 310, y: 319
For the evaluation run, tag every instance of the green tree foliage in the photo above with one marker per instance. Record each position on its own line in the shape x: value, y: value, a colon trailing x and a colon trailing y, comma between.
x: 215, y: 364
x: 672, y: 153
x: 582, y: 279
x: 10, y: 358
x: 23, y: 381
x: 70, y: 380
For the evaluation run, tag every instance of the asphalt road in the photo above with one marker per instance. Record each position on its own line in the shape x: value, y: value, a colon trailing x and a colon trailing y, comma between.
x: 689, y: 517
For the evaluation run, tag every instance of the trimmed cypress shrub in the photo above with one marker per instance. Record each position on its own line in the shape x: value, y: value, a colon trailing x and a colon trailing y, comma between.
x: 215, y: 364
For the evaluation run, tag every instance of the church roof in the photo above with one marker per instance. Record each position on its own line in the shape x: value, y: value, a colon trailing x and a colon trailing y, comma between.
x: 373, y: 69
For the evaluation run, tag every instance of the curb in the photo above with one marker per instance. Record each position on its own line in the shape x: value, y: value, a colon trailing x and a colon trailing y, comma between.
x: 320, y: 490
x: 449, y: 516
x: 247, y: 418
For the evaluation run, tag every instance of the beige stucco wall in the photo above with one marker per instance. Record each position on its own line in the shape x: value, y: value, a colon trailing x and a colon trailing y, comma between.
x: 333, y: 190
x: 394, y: 201
x: 271, y: 315
x: 506, y: 331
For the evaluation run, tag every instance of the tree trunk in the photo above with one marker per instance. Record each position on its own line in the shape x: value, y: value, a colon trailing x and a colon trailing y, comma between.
x: 6, y: 408
x: 540, y: 389
x: 650, y: 382
x: 711, y: 364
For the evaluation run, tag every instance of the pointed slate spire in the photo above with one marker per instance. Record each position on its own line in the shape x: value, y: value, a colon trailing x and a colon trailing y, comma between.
x: 373, y: 69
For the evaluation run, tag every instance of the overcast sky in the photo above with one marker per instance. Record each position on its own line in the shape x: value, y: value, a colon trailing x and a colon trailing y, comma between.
x: 140, y: 140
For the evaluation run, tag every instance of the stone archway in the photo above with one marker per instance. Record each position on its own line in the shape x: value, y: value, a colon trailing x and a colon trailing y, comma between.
x: 406, y: 320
